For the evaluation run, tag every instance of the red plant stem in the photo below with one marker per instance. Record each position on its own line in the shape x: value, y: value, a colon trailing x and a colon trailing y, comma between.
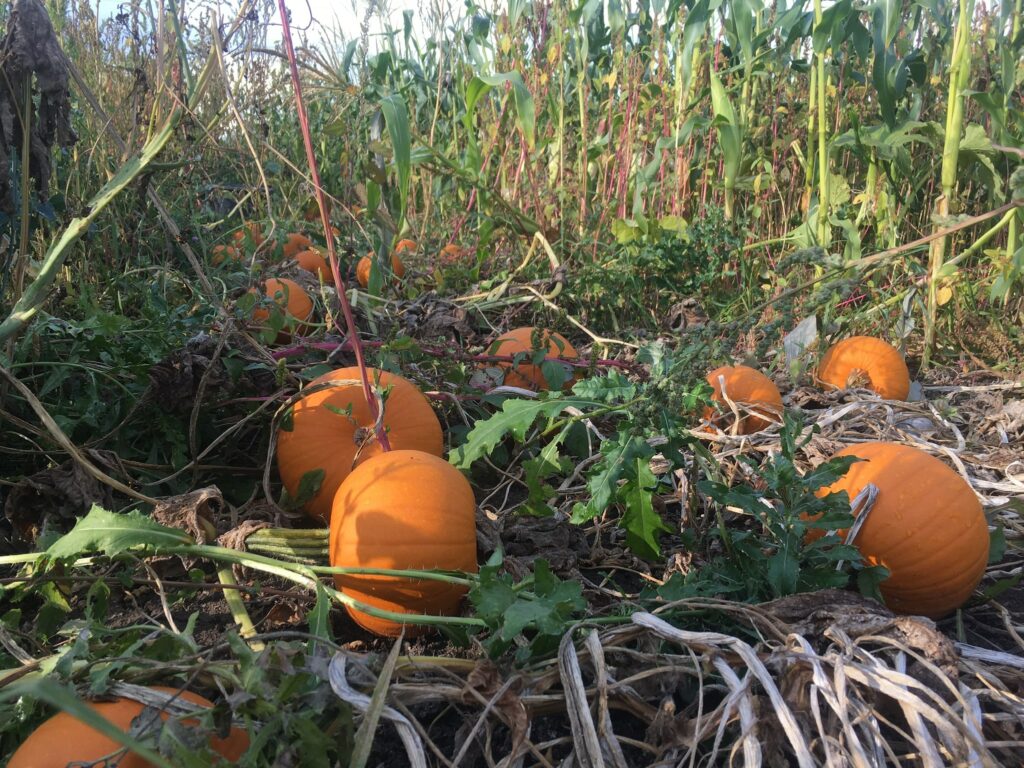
x: 346, y: 308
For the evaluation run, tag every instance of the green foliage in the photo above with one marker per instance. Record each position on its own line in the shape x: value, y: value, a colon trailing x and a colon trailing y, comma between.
x: 774, y: 557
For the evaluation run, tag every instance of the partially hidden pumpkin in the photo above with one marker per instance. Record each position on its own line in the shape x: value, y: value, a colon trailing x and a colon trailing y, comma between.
x: 365, y: 264
x: 312, y: 260
x: 65, y: 740
x: 295, y: 243
x: 250, y: 231
x: 403, y: 510
x: 405, y: 245
x: 865, y: 361
x: 330, y: 430
x: 526, y: 374
x: 225, y: 252
x: 290, y: 296
x: 758, y: 399
x: 926, y: 526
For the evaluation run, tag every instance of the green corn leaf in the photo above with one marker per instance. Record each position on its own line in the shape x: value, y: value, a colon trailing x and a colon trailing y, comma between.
x: 526, y: 111
x: 397, y: 118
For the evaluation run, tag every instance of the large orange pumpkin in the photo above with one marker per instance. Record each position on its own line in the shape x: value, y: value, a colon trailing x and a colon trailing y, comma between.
x: 868, y: 362
x: 295, y: 243
x: 290, y: 296
x: 403, y: 510
x: 313, y: 261
x: 526, y: 374
x: 64, y: 740
x: 926, y: 526
x: 748, y: 387
x: 365, y: 263
x: 331, y: 430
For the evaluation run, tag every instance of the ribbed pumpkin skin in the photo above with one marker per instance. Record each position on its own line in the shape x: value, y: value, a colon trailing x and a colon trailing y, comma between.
x: 877, y: 360
x: 403, y: 510
x: 927, y: 527
x: 313, y: 261
x: 64, y: 739
x: 292, y: 298
x: 322, y: 439
x: 365, y: 263
x: 526, y: 374
x: 751, y: 388
x: 295, y: 243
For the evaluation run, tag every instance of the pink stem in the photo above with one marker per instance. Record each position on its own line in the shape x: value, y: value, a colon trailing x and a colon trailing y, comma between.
x: 346, y: 309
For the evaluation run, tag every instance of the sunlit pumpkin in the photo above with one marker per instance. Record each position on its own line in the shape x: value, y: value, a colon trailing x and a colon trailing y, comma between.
x: 250, y: 231
x: 405, y: 245
x: 64, y: 740
x: 365, y: 264
x: 290, y: 296
x: 295, y: 243
x: 403, y: 510
x: 526, y: 374
x: 865, y: 361
x: 747, y: 387
x: 312, y: 260
x: 225, y: 252
x: 926, y: 526
x: 331, y: 430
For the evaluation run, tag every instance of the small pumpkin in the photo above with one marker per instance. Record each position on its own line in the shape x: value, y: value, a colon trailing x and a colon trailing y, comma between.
x: 251, y: 231
x: 365, y: 264
x: 295, y: 243
x: 331, y: 430
x: 405, y: 245
x: 926, y: 526
x: 312, y: 260
x: 866, y: 362
x: 526, y: 374
x: 65, y: 740
x: 452, y: 254
x: 748, y: 387
x: 290, y: 296
x: 225, y: 252
x: 403, y: 510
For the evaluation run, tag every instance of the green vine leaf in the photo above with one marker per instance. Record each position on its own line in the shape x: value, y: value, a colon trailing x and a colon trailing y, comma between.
x: 112, y: 533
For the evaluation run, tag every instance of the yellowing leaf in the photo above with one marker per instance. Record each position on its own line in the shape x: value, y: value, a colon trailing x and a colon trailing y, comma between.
x: 944, y: 294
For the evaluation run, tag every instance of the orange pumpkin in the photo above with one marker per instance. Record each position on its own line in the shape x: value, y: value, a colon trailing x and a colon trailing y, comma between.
x: 288, y: 295
x: 453, y: 253
x: 405, y: 245
x: 526, y: 374
x: 295, y: 243
x: 222, y: 252
x: 250, y: 230
x: 926, y: 526
x: 747, y: 387
x: 331, y: 430
x: 313, y: 261
x: 868, y: 362
x: 365, y: 263
x: 64, y: 740
x: 403, y: 510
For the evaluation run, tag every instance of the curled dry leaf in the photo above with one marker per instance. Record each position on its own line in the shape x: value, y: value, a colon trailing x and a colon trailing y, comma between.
x: 188, y: 511
x: 57, y: 497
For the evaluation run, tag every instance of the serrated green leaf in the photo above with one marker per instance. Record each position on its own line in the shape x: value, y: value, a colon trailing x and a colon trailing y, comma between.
x: 112, y: 533
x: 639, y: 518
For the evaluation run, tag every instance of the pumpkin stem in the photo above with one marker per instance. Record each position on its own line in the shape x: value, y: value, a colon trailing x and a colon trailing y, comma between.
x: 321, y: 200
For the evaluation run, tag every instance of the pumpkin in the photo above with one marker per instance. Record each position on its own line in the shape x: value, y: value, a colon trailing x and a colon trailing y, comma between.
x: 288, y: 295
x: 405, y: 245
x: 365, y: 263
x: 745, y: 387
x: 926, y: 526
x: 403, y: 510
x: 331, y: 430
x: 295, y: 243
x: 251, y: 231
x: 222, y: 252
x: 526, y: 374
x: 866, y: 361
x: 313, y: 261
x: 453, y: 253
x: 65, y: 740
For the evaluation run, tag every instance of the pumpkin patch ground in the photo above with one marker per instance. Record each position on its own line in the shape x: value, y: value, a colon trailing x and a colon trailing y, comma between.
x: 675, y: 417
